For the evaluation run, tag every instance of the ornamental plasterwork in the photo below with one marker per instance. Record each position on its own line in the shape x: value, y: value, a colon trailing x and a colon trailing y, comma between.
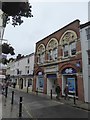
x: 52, y: 44
x: 67, y: 37
x: 41, y: 49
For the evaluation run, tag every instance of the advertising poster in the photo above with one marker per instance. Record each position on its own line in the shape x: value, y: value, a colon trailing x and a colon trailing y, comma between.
x: 71, y: 84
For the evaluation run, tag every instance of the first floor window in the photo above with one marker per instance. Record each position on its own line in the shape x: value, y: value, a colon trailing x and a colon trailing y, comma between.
x: 73, y: 48
x: 65, y: 50
x: 50, y: 55
x: 54, y: 53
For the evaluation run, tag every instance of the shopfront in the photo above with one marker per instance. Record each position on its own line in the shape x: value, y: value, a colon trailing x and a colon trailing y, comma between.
x: 51, y: 83
x: 51, y: 75
x: 40, y: 82
x: 69, y: 77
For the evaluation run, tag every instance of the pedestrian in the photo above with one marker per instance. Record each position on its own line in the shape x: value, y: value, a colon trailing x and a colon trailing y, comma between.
x: 58, y: 91
x: 66, y: 91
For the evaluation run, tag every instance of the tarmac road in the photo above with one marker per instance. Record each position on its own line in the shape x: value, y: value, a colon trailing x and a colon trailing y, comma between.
x: 36, y: 106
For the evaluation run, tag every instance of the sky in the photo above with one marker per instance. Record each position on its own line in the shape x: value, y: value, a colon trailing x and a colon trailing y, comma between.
x: 48, y: 17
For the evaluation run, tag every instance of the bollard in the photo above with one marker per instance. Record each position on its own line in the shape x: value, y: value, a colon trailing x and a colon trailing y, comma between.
x: 74, y: 99
x: 6, y: 90
x: 27, y: 89
x: 37, y: 91
x: 12, y: 97
x: 20, y: 107
x: 51, y: 93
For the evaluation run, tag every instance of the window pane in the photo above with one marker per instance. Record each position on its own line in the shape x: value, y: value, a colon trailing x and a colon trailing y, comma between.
x: 50, y: 55
x: 54, y: 53
x: 73, y: 48
x: 66, y: 50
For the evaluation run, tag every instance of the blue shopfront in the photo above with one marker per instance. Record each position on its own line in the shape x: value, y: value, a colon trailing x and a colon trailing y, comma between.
x: 40, y: 82
x: 69, y: 76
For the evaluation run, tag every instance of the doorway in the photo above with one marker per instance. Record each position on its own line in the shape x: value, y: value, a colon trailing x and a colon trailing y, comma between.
x: 51, y: 84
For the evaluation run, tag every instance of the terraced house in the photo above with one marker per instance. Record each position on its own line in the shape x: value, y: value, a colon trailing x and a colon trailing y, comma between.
x: 58, y: 60
x: 85, y: 43
x: 21, y: 71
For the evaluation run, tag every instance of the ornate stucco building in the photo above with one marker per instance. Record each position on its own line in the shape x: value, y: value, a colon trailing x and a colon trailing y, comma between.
x: 58, y: 60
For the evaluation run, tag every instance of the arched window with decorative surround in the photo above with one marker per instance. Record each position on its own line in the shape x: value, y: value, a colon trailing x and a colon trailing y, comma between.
x: 68, y: 43
x: 41, y: 53
x: 52, y: 49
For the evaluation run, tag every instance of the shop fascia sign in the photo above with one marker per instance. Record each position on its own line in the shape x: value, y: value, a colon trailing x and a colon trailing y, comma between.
x: 51, y: 68
x: 68, y: 71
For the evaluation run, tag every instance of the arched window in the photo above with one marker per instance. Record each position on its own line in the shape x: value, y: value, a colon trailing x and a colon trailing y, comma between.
x: 68, y: 43
x: 41, y: 53
x: 52, y: 49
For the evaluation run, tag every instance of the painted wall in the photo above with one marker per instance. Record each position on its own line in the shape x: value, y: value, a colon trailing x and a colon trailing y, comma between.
x: 86, y: 78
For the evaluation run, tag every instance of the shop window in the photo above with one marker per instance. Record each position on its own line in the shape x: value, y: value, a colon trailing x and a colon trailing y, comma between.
x: 65, y: 50
x: 73, y: 48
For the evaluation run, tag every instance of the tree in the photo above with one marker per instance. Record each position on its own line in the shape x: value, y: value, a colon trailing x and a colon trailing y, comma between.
x: 15, y: 10
x: 6, y: 49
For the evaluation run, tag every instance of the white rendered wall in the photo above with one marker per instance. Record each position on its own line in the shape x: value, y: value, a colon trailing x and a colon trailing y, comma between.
x: 84, y: 44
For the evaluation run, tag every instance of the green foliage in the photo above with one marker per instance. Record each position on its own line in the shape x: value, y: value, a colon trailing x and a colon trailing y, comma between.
x: 4, y: 61
x: 16, y: 10
x: 7, y: 49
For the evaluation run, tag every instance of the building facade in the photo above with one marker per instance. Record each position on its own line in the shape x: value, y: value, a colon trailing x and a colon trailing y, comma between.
x: 85, y: 43
x: 58, y: 60
x: 21, y: 71
x: 2, y: 67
